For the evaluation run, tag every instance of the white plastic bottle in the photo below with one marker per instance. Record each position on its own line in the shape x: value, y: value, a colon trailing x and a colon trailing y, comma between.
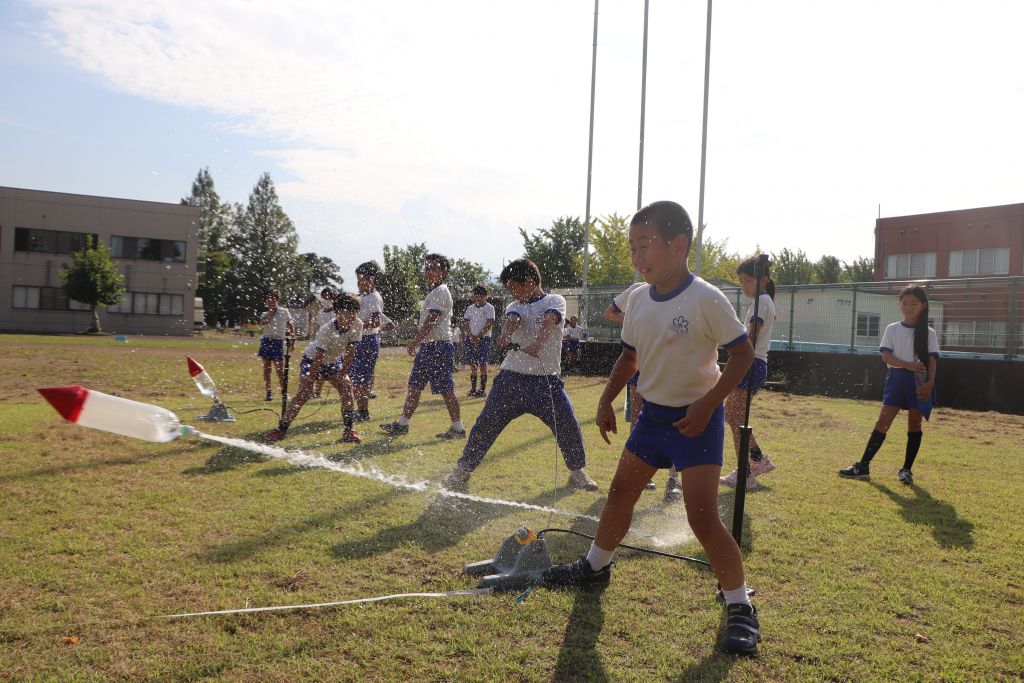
x: 202, y: 379
x: 123, y: 416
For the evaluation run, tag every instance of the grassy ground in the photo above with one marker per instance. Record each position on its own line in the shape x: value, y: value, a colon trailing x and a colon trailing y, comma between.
x: 856, y: 581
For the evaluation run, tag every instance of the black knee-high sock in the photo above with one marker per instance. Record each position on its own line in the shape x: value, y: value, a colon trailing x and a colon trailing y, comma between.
x: 348, y: 417
x: 874, y: 443
x: 755, y: 454
x: 913, y: 445
x: 483, y: 382
x: 473, y: 379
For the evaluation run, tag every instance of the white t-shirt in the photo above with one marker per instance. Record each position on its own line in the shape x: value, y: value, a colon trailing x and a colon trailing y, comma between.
x: 621, y: 301
x: 478, y: 316
x: 531, y: 317
x: 766, y: 316
x: 277, y: 327
x: 898, y: 339
x: 570, y: 332
x: 676, y: 337
x: 438, y: 299
x: 325, y: 315
x: 370, y: 303
x: 333, y: 341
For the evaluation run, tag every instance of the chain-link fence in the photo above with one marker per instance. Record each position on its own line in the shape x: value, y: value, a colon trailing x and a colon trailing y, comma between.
x: 974, y: 317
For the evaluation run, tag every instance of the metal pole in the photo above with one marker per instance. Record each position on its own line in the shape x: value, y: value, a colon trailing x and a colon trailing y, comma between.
x: 1011, y: 322
x: 643, y: 113
x: 792, y: 309
x: 853, y: 321
x: 590, y: 161
x: 698, y: 259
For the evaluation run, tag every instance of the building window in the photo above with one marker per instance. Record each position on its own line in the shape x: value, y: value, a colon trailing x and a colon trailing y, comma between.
x: 147, y: 303
x: 904, y: 266
x: 36, y: 241
x: 147, y: 249
x: 41, y: 298
x: 979, y: 262
x: 867, y: 324
x: 987, y: 334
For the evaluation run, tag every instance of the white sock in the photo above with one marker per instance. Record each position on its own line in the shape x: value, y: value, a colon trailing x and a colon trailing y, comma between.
x: 404, y: 421
x: 457, y: 426
x: 599, y: 558
x: 737, y: 596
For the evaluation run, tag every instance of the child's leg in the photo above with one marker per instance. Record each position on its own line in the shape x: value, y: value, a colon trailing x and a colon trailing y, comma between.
x: 362, y: 396
x: 502, y: 407
x: 344, y: 387
x: 734, y: 407
x: 451, y: 402
x: 279, y: 368
x: 914, y: 434
x: 631, y: 477
x: 483, y: 378
x: 700, y: 494
x: 299, y: 400
x: 556, y: 412
x: 266, y: 373
x: 472, y: 374
x: 412, y: 401
x: 877, y: 438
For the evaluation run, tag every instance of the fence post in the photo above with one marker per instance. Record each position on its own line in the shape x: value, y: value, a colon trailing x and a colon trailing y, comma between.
x: 853, y: 321
x: 1011, y: 323
x: 792, y: 308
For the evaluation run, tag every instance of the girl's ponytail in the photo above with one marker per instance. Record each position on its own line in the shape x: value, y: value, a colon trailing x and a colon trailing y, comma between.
x: 769, y: 287
x: 921, y: 325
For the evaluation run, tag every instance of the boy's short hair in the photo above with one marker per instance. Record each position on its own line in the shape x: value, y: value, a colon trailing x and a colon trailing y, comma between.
x: 440, y: 260
x: 368, y: 269
x: 346, y: 302
x: 271, y: 292
x: 480, y: 289
x: 519, y: 270
x: 328, y: 292
x: 669, y: 219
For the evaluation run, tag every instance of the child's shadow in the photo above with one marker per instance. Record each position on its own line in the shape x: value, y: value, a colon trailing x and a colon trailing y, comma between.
x: 949, y: 529
x: 715, y: 666
x: 578, y: 660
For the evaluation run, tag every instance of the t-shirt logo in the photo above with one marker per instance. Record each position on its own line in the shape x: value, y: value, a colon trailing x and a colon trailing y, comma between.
x: 680, y: 326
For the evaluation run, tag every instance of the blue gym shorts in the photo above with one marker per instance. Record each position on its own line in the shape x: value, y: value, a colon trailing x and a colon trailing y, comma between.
x: 479, y: 354
x: 365, y: 361
x: 271, y: 349
x: 570, y: 345
x: 655, y: 441
x: 635, y: 379
x: 327, y: 370
x: 901, y: 390
x: 758, y: 376
x: 434, y: 364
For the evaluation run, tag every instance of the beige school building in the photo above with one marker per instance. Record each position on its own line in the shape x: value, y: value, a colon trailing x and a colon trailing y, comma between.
x: 154, y: 244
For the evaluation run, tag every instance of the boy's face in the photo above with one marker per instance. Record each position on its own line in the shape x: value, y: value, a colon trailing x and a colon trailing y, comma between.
x: 652, y: 255
x: 479, y: 299
x: 345, y: 317
x: 270, y: 300
x: 572, y: 321
x: 747, y: 282
x: 522, y: 291
x: 433, y: 273
x: 366, y: 283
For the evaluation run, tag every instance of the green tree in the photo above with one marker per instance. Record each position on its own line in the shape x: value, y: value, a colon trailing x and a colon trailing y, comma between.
x: 609, y: 262
x: 400, y: 284
x: 319, y: 272
x: 263, y: 244
x: 827, y: 270
x: 717, y: 262
x: 464, y: 275
x: 558, y: 251
x: 792, y: 268
x: 860, y: 270
x: 213, y: 231
x: 93, y: 280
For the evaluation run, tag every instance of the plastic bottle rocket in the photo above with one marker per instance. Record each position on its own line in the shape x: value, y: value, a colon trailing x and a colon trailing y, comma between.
x: 202, y: 378
x: 107, y: 413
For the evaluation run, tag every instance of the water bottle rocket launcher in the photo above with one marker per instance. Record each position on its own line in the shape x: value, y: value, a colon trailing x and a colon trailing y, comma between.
x: 96, y: 410
x: 219, y: 411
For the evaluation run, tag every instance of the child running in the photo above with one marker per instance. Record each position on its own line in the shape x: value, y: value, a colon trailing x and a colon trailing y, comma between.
x: 673, y: 328
x: 528, y: 381
x: 329, y: 357
x: 277, y: 324
x: 477, y: 323
x: 736, y: 404
x: 911, y: 350
x: 371, y: 307
x: 433, y: 351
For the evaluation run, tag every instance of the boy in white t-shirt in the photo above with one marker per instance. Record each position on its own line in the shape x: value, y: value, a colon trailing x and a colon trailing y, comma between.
x: 329, y: 357
x: 371, y: 308
x: 433, y: 351
x: 571, y: 335
x: 324, y: 316
x: 277, y: 325
x: 476, y: 333
x: 528, y: 381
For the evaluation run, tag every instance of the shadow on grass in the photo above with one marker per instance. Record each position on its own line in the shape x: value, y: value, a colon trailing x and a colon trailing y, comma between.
x: 727, y: 508
x: 94, y: 464
x: 949, y: 529
x: 715, y: 667
x: 441, y: 524
x: 579, y: 660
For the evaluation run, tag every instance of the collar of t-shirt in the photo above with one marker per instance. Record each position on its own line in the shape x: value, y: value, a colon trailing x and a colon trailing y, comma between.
x: 534, y: 299
x: 674, y: 293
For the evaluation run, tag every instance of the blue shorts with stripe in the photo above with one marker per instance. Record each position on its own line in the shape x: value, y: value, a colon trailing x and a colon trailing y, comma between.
x: 758, y: 375
x: 434, y: 365
x: 479, y: 354
x: 365, y: 361
x: 271, y: 349
x: 327, y: 370
x: 655, y: 441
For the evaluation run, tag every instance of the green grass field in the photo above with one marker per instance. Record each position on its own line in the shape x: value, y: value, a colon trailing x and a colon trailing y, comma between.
x: 99, y: 535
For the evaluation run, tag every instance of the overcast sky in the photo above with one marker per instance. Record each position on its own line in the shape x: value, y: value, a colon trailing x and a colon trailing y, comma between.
x: 454, y: 122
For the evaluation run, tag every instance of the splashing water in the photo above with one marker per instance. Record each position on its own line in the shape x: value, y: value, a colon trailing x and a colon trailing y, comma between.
x: 303, y: 459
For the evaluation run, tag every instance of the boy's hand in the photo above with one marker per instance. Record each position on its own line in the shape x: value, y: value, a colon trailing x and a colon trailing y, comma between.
x: 606, y: 420
x: 533, y: 349
x: 696, y: 418
x: 915, y: 366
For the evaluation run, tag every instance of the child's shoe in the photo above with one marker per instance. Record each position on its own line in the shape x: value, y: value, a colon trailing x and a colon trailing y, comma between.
x: 452, y: 433
x: 362, y: 416
x: 906, y: 478
x: 457, y: 479
x: 270, y: 396
x: 857, y: 470
x: 742, y: 630
x: 351, y: 436
x: 578, y: 479
x: 762, y: 466
x: 394, y: 429
x: 273, y: 435
x: 732, y: 479
x: 578, y: 574
x: 673, y: 490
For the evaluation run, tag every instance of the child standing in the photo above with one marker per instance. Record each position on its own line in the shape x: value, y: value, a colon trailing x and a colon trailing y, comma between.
x: 277, y: 324
x: 329, y: 357
x: 477, y: 323
x: 371, y: 307
x: 528, y: 381
x: 673, y: 328
x: 911, y: 350
x: 324, y: 316
x: 759, y: 463
x: 433, y: 351
x: 571, y: 343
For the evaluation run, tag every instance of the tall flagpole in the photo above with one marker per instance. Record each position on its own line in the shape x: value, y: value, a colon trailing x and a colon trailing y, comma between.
x: 590, y: 166
x: 643, y: 113
x: 698, y: 259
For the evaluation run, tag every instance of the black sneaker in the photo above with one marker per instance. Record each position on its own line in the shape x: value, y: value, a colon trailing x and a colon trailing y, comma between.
x: 742, y: 630
x: 452, y: 433
x: 577, y: 574
x: 361, y: 416
x: 906, y: 477
x: 394, y: 429
x: 270, y: 395
x: 857, y: 470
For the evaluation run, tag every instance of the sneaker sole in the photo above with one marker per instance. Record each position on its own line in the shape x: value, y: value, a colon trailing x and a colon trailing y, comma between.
x: 861, y: 477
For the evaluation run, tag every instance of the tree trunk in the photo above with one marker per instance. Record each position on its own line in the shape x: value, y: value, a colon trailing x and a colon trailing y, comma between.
x: 95, y: 329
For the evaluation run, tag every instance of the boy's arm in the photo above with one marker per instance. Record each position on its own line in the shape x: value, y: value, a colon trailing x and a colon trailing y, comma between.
x: 346, y: 360
x: 487, y: 327
x: 889, y: 359
x: 374, y: 319
x: 428, y: 325
x: 622, y: 372
x: 741, y: 357
x: 512, y: 323
x: 613, y: 315
x: 314, y: 367
x: 547, y: 328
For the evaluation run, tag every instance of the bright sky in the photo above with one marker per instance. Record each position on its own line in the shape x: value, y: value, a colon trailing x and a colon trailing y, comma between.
x: 455, y: 122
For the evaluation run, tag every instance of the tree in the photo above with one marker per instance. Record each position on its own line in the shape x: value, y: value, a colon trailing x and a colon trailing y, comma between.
x: 860, y: 270
x: 558, y: 251
x: 610, y: 262
x: 717, y: 262
x: 827, y: 270
x: 263, y: 244
x: 400, y: 283
x: 321, y: 272
x: 93, y: 280
x: 792, y: 268
x: 464, y: 275
x: 214, y: 232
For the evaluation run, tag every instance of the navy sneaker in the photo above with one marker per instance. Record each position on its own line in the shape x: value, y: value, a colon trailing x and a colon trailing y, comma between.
x: 394, y: 429
x: 452, y: 433
x: 857, y: 470
x: 906, y: 478
x: 742, y: 630
x: 578, y: 574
